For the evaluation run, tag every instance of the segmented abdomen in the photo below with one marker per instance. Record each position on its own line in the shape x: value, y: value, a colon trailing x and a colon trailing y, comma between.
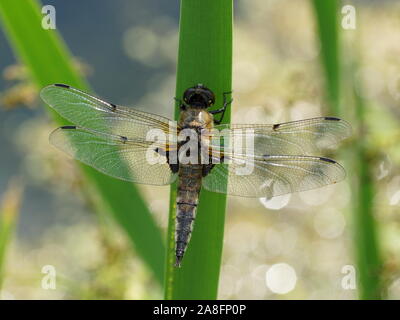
x: 189, y: 185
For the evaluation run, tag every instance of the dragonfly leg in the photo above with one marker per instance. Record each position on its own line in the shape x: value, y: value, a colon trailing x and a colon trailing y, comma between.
x: 208, y: 167
x: 222, y: 110
x: 178, y: 100
x: 181, y: 104
x: 173, y: 166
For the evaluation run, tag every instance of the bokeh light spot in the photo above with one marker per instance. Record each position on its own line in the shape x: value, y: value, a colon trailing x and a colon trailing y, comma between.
x: 276, y: 203
x: 281, y: 278
x: 329, y: 223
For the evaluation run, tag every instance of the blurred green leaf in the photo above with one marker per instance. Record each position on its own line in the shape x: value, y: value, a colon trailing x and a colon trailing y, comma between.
x: 9, y: 211
x: 327, y: 24
x: 364, y: 226
x: 49, y: 61
x: 205, y: 56
x: 368, y: 256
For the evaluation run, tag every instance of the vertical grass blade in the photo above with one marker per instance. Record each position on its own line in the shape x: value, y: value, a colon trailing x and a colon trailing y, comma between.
x: 48, y: 61
x: 366, y: 246
x: 205, y: 56
x: 368, y: 257
x: 327, y: 25
x: 9, y: 210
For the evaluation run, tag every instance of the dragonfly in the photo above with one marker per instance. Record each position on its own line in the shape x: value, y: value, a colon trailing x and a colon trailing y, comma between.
x: 115, y: 141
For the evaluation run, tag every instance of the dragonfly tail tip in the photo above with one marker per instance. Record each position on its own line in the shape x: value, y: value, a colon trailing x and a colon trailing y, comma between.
x: 178, y: 261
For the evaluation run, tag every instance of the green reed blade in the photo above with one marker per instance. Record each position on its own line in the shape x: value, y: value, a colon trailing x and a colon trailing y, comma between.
x: 367, y: 252
x: 205, y: 56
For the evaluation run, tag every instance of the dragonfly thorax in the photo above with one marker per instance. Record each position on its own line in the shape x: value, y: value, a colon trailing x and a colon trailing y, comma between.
x: 195, y: 118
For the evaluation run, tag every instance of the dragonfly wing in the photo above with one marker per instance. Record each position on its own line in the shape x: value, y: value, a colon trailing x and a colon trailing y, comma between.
x: 291, y: 138
x: 93, y: 113
x: 269, y: 176
x: 115, y: 156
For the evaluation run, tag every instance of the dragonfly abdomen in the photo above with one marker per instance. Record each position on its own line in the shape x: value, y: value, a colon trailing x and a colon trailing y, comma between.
x: 189, y: 186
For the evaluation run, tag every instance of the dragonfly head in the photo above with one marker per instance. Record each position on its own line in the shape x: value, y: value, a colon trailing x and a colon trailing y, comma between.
x: 199, y: 96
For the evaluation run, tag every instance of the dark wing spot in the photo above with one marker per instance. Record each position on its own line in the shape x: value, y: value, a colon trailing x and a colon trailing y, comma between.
x: 113, y: 107
x: 327, y: 160
x: 276, y: 126
x: 124, y: 139
x: 68, y: 127
x: 62, y: 85
x: 332, y: 118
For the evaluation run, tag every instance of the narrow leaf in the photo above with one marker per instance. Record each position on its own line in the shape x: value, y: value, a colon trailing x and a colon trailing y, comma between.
x: 205, y: 56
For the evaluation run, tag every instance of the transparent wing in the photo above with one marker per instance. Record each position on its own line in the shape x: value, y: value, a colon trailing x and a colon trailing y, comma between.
x: 114, y: 155
x: 90, y: 112
x: 304, y: 137
x: 270, y: 176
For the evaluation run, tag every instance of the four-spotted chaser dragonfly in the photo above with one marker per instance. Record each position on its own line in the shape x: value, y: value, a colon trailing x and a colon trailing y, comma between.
x: 115, y: 140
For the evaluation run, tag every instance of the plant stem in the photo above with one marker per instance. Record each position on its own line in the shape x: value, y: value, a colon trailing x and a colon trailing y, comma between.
x: 367, y: 253
x: 368, y: 256
x: 205, y: 56
x: 9, y: 212
x: 327, y: 25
